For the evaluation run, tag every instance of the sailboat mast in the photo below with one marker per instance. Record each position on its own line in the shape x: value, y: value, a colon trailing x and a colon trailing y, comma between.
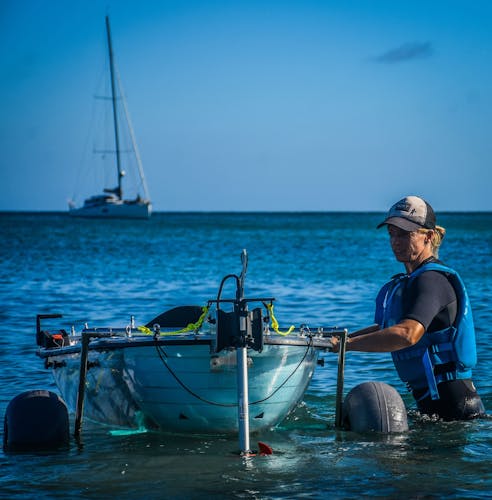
x: 119, y: 192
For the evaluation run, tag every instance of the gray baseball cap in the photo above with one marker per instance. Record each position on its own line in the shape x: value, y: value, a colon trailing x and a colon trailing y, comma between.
x: 411, y: 213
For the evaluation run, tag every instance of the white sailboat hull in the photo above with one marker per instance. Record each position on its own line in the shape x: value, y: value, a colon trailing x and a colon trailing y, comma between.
x: 113, y: 210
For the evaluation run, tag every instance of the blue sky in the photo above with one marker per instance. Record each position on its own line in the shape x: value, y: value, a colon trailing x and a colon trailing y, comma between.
x: 255, y: 105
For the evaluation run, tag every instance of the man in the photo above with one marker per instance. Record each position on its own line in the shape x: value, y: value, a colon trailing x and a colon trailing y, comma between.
x: 424, y: 318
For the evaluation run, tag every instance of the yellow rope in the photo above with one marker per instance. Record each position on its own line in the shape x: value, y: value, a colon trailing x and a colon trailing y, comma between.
x: 275, y: 322
x: 196, y: 326
x: 145, y: 330
x: 189, y: 328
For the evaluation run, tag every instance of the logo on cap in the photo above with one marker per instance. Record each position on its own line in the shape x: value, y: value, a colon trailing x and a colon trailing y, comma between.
x: 411, y: 213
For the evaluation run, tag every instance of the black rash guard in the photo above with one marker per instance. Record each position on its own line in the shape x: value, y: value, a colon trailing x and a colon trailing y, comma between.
x: 431, y: 300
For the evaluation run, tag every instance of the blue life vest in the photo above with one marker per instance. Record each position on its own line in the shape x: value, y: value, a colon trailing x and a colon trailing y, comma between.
x: 447, y: 354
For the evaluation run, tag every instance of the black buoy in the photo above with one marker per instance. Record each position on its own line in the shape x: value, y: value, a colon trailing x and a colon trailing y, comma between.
x: 36, y: 421
x: 374, y: 406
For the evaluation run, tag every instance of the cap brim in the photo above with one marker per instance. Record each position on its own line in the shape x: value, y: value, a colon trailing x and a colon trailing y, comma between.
x: 400, y: 222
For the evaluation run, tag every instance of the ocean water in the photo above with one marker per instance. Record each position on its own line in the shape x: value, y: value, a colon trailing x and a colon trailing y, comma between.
x: 324, y: 270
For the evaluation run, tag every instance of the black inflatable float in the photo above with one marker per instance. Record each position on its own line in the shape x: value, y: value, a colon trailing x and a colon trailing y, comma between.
x: 374, y: 406
x: 36, y: 420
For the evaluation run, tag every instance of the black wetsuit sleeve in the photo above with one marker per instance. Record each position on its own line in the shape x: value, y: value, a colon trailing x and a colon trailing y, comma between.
x: 431, y: 300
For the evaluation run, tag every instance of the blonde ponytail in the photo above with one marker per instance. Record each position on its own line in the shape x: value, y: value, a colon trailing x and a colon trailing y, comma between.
x: 437, y: 236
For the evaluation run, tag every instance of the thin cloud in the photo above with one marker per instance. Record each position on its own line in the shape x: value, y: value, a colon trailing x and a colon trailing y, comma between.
x: 406, y: 52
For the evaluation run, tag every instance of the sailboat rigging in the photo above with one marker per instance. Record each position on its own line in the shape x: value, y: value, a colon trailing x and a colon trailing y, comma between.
x: 112, y: 204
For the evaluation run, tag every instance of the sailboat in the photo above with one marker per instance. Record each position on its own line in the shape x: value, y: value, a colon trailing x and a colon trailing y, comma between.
x: 111, y: 203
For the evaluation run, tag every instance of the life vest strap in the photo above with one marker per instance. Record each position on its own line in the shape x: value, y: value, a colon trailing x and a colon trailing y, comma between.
x: 443, y: 347
x: 429, y: 375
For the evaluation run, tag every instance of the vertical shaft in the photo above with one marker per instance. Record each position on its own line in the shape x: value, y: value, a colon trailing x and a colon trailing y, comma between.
x: 340, y: 379
x: 243, y: 398
x: 115, y: 109
x: 79, y: 411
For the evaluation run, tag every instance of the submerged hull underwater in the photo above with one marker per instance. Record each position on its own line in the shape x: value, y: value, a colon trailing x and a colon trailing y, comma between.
x: 180, y: 384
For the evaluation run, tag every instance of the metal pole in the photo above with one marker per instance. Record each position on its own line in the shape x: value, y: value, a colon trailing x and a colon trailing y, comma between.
x: 115, y: 111
x: 340, y: 378
x: 242, y: 361
x: 82, y: 377
x: 243, y: 399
